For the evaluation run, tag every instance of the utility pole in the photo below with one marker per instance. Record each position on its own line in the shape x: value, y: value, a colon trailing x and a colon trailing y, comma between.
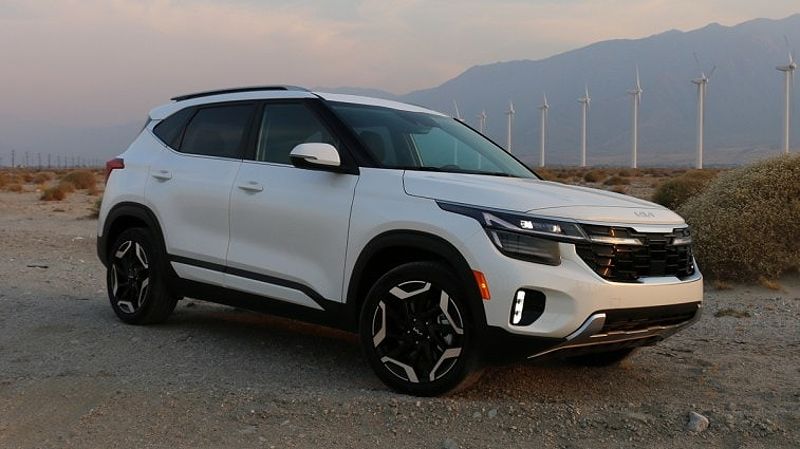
x: 13, y: 156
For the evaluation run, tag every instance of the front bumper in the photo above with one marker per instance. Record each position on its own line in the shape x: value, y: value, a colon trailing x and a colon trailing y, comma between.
x: 602, y: 331
x: 598, y: 333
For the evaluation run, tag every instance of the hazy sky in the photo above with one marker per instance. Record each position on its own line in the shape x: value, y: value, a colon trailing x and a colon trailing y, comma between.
x: 109, y: 61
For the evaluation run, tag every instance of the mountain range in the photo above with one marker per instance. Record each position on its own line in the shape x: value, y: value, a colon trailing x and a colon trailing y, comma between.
x: 744, y: 105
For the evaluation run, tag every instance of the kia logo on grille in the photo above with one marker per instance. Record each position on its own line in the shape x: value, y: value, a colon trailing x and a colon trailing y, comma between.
x: 644, y: 214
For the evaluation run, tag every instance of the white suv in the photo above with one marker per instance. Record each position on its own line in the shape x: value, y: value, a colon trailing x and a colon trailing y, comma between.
x: 439, y: 248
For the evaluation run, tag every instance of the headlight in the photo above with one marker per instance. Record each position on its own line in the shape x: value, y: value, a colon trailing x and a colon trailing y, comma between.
x: 521, y: 236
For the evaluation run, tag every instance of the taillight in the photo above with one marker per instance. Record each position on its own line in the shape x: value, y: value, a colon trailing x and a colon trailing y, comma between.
x: 114, y: 164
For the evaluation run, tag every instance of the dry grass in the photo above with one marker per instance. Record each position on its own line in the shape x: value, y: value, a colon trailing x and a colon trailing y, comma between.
x: 746, y: 222
x: 14, y: 187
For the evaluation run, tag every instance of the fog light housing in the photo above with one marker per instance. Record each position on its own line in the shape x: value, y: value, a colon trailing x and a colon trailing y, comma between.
x: 527, y: 307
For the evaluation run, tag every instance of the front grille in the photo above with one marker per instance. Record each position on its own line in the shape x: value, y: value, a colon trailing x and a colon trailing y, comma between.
x: 626, y: 320
x: 657, y: 256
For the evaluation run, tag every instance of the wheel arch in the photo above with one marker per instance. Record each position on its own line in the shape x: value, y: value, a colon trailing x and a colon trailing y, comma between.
x: 123, y: 216
x: 394, y: 248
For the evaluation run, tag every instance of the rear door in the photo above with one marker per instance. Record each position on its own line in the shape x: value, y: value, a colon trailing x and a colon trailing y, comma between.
x: 289, y: 225
x: 190, y: 185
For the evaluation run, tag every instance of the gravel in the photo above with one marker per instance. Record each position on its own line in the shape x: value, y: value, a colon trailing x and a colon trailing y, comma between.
x: 73, y: 376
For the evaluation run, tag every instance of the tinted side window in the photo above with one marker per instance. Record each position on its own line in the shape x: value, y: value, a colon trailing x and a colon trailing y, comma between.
x: 284, y: 126
x: 217, y: 131
x: 170, y: 129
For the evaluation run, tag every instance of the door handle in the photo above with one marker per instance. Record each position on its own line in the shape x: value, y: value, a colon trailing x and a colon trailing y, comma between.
x: 251, y: 186
x: 162, y: 175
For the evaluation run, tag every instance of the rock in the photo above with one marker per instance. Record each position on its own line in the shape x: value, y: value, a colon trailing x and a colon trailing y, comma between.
x: 476, y: 415
x: 449, y: 444
x: 492, y: 413
x: 697, y: 422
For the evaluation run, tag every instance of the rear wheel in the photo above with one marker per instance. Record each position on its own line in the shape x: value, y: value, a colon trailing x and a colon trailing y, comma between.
x: 135, y: 279
x: 417, y: 332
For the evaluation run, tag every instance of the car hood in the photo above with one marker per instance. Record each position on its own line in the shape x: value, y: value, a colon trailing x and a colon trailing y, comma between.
x: 538, y: 197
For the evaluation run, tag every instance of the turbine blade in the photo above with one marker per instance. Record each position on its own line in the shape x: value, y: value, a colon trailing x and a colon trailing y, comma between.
x: 711, y: 73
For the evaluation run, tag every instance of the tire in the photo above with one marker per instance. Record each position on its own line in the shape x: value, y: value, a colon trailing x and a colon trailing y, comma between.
x: 135, y: 279
x: 417, y: 331
x: 608, y: 358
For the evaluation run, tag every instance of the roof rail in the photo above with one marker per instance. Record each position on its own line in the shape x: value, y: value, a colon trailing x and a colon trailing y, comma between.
x: 236, y: 90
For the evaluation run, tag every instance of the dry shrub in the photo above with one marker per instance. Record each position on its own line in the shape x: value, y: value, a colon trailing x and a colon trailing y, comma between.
x: 746, y: 222
x: 546, y: 174
x: 619, y: 189
x: 617, y: 181
x: 43, y: 177
x: 594, y: 176
x: 14, y: 187
x: 628, y: 172
x: 81, y: 179
x: 672, y: 193
x: 770, y: 284
x: 94, y: 209
x: 721, y: 285
x: 53, y: 194
x: 28, y: 177
x: 66, y: 186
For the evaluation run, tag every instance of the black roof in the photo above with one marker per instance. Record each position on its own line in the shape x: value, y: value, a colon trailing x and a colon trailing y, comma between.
x: 235, y: 90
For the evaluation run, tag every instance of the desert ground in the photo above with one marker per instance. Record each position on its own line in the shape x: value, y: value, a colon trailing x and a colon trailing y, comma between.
x: 73, y: 376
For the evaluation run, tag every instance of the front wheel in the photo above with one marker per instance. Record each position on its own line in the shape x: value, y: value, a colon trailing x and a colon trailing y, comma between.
x: 417, y: 331
x: 135, y: 279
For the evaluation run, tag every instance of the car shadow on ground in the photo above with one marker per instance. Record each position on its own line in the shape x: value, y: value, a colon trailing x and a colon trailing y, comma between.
x: 254, y: 348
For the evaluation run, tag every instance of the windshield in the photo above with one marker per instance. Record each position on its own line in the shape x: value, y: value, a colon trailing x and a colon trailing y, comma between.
x: 429, y: 142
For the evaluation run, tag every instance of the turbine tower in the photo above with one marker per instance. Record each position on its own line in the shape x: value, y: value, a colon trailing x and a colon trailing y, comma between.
x: 458, y: 112
x: 584, y: 101
x: 510, y: 113
x: 482, y: 122
x: 788, y: 79
x: 701, y: 83
x: 636, y: 95
x: 543, y: 129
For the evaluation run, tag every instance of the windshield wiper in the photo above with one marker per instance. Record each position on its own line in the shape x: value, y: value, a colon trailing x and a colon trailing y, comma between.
x: 444, y: 170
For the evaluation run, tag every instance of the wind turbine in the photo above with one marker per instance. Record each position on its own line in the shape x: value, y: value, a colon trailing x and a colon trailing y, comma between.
x: 510, y: 113
x: 701, y: 83
x: 636, y: 94
x: 482, y: 122
x: 458, y: 112
x: 543, y: 129
x: 788, y: 78
x: 584, y: 101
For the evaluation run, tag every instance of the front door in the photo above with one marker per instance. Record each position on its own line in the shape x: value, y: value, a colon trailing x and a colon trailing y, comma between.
x: 289, y: 225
